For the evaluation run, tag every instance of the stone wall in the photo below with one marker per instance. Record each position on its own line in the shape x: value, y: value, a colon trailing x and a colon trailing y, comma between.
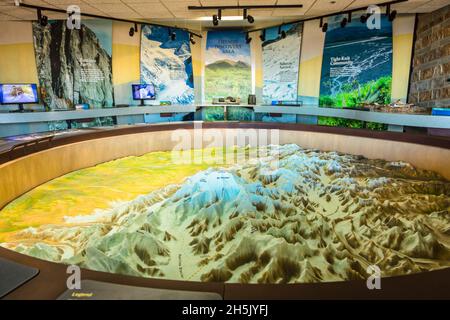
x: 430, y: 86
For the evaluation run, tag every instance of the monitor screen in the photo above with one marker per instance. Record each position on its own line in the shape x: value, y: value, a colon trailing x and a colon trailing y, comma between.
x: 143, y: 92
x: 18, y: 93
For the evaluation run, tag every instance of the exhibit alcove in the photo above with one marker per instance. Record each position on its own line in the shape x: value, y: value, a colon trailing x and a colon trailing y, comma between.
x: 307, y: 209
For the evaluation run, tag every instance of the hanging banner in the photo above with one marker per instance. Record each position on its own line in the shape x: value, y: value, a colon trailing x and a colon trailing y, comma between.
x: 74, y: 65
x: 357, y: 64
x: 281, y: 59
x: 167, y: 64
x: 228, y: 70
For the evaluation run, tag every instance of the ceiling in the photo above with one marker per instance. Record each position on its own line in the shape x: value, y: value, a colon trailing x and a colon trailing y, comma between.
x: 176, y: 11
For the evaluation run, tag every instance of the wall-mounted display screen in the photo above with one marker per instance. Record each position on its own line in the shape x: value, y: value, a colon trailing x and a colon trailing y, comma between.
x: 18, y: 93
x: 143, y: 91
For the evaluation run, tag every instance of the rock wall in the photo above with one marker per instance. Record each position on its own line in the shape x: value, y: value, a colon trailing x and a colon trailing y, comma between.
x: 72, y: 67
x: 430, y: 85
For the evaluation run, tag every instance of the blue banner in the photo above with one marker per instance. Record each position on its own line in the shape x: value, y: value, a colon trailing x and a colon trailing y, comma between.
x: 357, y: 64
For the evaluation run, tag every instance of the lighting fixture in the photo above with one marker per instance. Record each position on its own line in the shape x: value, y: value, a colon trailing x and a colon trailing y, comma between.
x: 191, y: 38
x: 133, y: 30
x: 248, y: 39
x: 281, y: 33
x: 215, y: 20
x: 262, y: 36
x: 393, y: 15
x: 348, y: 14
x: 364, y: 18
x: 249, y: 18
x: 43, y: 20
x: 224, y: 18
x: 74, y: 21
x: 322, y: 25
x: 240, y: 7
x: 172, y: 35
x: 390, y: 14
x: 219, y: 14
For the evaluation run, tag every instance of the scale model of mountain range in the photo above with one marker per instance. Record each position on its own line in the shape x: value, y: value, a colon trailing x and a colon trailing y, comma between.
x: 294, y: 216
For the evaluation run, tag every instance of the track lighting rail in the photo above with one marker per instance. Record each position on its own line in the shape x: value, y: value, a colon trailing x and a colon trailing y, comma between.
x: 132, y: 22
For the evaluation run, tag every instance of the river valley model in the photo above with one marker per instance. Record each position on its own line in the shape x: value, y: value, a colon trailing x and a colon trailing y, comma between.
x: 294, y: 216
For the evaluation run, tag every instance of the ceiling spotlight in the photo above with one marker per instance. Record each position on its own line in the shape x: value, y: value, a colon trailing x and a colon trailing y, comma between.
x: 172, y: 35
x: 325, y: 27
x: 249, y: 18
x: 262, y: 36
x: 321, y: 23
x: 344, y: 22
x: 247, y: 38
x: 74, y: 21
x: 349, y: 19
x: 215, y: 20
x: 392, y: 15
x: 191, y: 38
x: 219, y: 14
x: 281, y: 33
x: 363, y: 18
x: 133, y: 30
x: 43, y: 20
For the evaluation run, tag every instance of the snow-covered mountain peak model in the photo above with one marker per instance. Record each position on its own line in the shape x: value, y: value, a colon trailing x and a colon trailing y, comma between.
x: 316, y: 216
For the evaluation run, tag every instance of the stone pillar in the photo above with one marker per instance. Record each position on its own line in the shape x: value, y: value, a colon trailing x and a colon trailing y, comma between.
x: 430, y: 86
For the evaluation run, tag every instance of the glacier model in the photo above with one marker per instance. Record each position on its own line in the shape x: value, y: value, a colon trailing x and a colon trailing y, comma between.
x: 297, y: 215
